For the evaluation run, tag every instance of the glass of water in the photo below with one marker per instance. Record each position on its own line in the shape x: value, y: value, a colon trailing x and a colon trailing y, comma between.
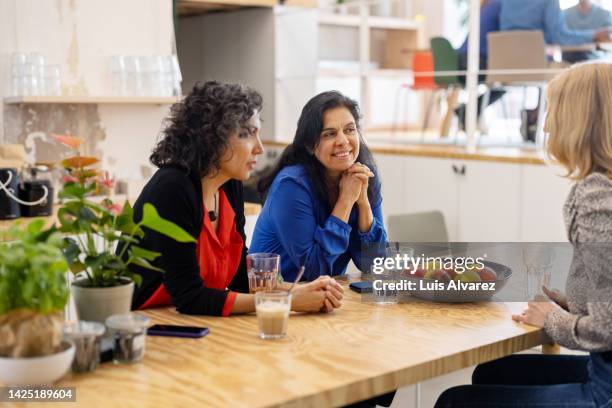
x: 538, y: 259
x: 262, y: 269
x: 384, y: 291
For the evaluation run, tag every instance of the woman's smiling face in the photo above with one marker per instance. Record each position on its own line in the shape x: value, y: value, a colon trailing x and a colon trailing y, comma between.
x: 338, y: 145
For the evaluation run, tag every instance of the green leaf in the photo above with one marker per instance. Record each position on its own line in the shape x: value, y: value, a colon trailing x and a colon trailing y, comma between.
x: 152, y: 220
x: 77, y: 267
x: 125, y: 220
x: 145, y: 264
x: 36, y: 227
x: 137, y: 279
x: 144, y: 253
x: 128, y: 239
x: 71, y: 250
x: 87, y: 215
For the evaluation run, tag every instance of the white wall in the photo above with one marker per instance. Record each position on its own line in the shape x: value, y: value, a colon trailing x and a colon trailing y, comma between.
x: 80, y: 36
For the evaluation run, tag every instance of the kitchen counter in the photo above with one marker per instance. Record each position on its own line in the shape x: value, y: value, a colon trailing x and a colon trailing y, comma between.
x: 490, y: 154
x: 249, y: 209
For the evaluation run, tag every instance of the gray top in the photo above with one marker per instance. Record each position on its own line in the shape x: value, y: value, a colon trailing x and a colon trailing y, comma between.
x: 587, y: 325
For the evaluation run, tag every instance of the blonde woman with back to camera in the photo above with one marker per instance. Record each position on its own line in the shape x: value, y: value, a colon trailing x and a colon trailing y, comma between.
x: 579, y: 125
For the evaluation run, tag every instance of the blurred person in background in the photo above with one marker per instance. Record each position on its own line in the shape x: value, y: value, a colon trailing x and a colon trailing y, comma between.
x: 489, y: 22
x: 585, y: 16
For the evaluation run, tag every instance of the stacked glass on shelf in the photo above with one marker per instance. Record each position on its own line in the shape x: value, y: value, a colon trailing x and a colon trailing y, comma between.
x: 154, y: 75
x: 31, y: 76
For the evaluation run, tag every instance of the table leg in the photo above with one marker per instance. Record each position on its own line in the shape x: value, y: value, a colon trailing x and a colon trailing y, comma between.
x: 551, y: 348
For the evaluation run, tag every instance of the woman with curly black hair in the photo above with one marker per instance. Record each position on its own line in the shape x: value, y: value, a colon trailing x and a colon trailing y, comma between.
x: 209, y: 146
x: 323, y: 200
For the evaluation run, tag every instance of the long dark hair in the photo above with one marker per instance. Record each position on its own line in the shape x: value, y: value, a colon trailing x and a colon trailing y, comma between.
x: 307, y: 137
x: 198, y: 128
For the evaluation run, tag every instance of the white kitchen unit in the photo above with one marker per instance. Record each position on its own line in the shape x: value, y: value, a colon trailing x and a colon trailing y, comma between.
x: 429, y: 184
x: 489, y: 201
x: 273, y: 50
x: 543, y: 193
x: 482, y: 201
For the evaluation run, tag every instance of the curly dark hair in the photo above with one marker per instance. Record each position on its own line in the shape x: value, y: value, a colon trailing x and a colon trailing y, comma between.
x: 198, y: 128
x: 306, y: 140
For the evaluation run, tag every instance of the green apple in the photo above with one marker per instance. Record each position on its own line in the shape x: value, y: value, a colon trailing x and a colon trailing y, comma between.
x: 469, y: 276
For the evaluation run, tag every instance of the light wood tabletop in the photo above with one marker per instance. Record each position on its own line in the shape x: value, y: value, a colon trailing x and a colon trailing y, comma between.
x: 356, y: 352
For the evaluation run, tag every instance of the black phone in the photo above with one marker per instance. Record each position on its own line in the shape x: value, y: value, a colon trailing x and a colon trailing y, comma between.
x: 361, y: 287
x: 177, y: 331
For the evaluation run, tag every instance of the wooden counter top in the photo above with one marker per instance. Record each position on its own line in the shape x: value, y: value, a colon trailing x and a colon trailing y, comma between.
x: 249, y: 209
x: 196, y: 7
x: 491, y: 154
x: 356, y: 352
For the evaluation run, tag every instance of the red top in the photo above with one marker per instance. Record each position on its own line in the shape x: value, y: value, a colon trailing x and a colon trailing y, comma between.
x: 218, y: 255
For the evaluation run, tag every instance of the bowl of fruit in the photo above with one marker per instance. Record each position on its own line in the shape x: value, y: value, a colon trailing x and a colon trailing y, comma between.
x: 475, y: 284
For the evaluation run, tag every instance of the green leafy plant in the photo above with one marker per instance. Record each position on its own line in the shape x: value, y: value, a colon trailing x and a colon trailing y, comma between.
x: 33, y: 270
x: 96, y: 229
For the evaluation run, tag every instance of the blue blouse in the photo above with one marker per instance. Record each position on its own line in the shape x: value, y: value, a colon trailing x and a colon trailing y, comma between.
x: 296, y: 224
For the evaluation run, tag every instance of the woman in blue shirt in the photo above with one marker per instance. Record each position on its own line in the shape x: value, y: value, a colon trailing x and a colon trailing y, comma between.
x: 323, y: 197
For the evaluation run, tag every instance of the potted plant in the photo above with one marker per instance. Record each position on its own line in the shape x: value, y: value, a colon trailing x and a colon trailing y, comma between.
x: 33, y: 294
x: 103, y: 283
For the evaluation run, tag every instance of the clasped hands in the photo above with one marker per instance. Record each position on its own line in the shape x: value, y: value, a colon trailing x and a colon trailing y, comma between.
x: 323, y: 294
x: 354, y: 184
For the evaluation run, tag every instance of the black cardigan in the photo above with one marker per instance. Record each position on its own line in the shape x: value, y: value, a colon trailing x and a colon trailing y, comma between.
x: 178, y: 198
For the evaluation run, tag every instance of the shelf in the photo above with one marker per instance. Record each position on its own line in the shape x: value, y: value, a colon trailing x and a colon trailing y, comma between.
x: 390, y: 23
x: 135, y: 100
x: 386, y: 72
x: 372, y: 73
x: 383, y: 23
x: 195, y: 7
x: 345, y: 20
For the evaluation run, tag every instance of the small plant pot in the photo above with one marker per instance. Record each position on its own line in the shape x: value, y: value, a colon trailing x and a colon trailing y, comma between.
x: 97, y: 304
x: 37, y: 370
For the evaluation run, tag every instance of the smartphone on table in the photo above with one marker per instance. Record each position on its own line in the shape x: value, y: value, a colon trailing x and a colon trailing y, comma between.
x: 361, y: 287
x: 171, y: 330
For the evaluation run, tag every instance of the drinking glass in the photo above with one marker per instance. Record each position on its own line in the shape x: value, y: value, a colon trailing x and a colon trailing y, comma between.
x: 134, y: 75
x: 119, y: 74
x: 86, y: 337
x: 273, y: 309
x: 538, y: 259
x: 262, y: 270
x: 381, y: 291
x: 129, y: 333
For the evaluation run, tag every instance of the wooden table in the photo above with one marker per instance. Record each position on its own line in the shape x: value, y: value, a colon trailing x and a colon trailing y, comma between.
x: 356, y: 352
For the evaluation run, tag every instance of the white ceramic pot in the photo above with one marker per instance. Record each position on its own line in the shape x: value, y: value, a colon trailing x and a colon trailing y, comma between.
x: 96, y: 304
x: 37, y: 370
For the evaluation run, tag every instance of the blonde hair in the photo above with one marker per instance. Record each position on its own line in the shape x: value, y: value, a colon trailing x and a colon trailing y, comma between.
x: 579, y: 120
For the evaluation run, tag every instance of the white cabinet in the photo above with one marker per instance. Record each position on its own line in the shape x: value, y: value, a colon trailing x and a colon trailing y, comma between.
x: 481, y: 201
x: 543, y: 193
x: 431, y: 185
x: 489, y: 202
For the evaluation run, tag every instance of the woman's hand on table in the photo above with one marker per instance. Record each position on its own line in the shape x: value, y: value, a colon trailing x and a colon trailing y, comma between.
x: 536, y: 311
x: 321, y: 295
x: 556, y: 296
